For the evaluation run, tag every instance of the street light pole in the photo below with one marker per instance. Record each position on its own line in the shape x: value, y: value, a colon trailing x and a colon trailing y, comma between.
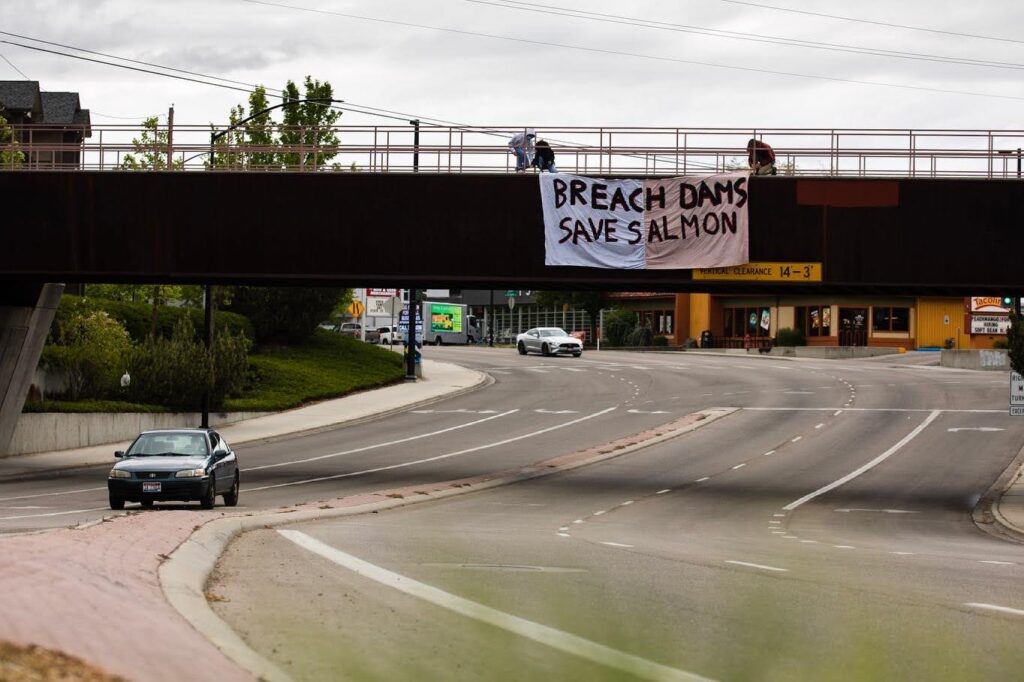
x: 208, y: 288
x: 410, y: 360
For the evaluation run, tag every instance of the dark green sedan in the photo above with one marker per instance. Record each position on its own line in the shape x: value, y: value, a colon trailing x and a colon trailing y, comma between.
x: 175, y: 465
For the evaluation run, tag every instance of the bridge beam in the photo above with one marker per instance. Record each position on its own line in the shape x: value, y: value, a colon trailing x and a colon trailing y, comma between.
x: 26, y: 312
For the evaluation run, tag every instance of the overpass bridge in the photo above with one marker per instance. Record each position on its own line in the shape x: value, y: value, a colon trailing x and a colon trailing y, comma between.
x: 926, y: 213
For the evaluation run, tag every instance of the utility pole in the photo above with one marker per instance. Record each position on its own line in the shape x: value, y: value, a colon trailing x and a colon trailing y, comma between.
x: 170, y: 138
x: 415, y: 145
x: 410, y: 336
x: 490, y: 331
x: 208, y: 342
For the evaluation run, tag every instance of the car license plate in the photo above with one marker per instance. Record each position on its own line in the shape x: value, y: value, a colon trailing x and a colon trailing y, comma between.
x: 151, y: 487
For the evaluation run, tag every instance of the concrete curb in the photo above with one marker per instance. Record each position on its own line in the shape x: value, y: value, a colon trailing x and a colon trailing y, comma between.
x: 483, y: 380
x: 987, y: 515
x: 184, y: 575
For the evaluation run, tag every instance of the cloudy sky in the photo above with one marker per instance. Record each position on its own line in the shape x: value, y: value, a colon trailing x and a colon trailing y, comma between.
x: 618, y: 73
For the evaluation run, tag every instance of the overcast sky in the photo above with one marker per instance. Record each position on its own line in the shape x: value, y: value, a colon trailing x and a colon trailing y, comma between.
x: 490, y: 81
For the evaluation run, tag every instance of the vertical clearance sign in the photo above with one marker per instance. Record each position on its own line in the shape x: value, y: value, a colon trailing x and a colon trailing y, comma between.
x: 667, y: 223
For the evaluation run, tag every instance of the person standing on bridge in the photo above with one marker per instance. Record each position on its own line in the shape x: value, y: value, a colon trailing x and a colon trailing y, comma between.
x: 521, y: 145
x: 544, y: 158
x: 761, y: 157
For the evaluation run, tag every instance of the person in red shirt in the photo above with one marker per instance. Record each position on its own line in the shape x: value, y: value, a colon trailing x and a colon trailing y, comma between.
x: 761, y: 157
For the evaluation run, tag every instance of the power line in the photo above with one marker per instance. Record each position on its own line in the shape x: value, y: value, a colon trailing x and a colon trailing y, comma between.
x: 15, y: 67
x: 886, y: 24
x: 638, y: 55
x: 555, y: 10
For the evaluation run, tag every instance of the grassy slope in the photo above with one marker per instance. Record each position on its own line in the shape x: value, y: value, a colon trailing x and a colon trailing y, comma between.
x: 326, y: 366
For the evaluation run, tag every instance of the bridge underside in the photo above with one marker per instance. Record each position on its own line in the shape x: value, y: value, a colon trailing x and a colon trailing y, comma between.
x: 911, y: 237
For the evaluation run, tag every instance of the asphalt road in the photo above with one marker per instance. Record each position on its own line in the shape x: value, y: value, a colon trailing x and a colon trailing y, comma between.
x: 823, y: 531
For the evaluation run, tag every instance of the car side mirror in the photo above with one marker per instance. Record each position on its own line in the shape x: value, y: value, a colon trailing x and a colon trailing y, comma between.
x: 118, y: 454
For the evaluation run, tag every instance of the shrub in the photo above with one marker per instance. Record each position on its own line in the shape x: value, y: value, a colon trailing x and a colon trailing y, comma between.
x: 175, y: 372
x: 640, y: 336
x: 790, y: 337
x: 285, y: 314
x: 91, y: 350
x: 618, y: 325
x: 660, y: 340
x: 137, y: 318
x: 1001, y: 344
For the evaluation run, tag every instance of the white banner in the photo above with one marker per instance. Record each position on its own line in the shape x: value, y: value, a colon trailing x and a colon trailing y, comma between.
x: 668, y: 223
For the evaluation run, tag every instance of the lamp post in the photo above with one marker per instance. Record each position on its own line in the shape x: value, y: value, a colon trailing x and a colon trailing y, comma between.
x: 207, y: 287
x: 410, y: 360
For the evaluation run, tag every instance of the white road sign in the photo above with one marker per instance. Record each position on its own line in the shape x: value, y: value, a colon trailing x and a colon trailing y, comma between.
x: 1016, y: 389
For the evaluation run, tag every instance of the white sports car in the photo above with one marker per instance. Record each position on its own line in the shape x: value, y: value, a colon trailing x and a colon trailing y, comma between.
x: 548, y: 341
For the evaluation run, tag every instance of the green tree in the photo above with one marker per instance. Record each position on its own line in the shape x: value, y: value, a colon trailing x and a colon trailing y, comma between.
x: 150, y: 149
x: 306, y: 132
x: 285, y: 314
x: 619, y: 324
x: 10, y: 155
x: 591, y: 302
x: 1015, y: 343
x: 92, y: 351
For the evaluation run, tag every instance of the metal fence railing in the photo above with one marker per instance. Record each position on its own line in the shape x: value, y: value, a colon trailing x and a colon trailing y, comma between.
x: 584, y: 150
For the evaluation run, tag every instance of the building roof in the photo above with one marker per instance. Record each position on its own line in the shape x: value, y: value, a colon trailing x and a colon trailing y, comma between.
x: 19, y: 95
x: 59, y: 108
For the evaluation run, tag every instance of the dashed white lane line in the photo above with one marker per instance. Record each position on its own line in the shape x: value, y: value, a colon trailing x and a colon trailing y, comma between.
x: 790, y: 537
x: 820, y: 426
x: 844, y: 546
x: 760, y: 566
x: 769, y: 453
x: 701, y: 480
x: 662, y: 492
x: 617, y: 544
x: 809, y: 542
x: 794, y: 440
x: 740, y: 465
x: 447, y: 455
x: 995, y: 607
x: 902, y: 553
x: 626, y: 503
x: 778, y: 532
x: 382, y: 445
x: 867, y: 467
x: 998, y: 563
x: 779, y: 516
x: 577, y: 521
x: 542, y: 634
x: 837, y: 413
x: 598, y: 513
x: 564, y: 535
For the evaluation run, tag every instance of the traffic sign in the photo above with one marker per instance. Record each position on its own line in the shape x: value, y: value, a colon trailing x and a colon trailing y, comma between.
x: 356, y: 308
x: 1016, y: 389
x: 510, y: 293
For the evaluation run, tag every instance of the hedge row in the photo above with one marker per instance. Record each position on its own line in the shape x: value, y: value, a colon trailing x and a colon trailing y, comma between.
x: 137, y: 318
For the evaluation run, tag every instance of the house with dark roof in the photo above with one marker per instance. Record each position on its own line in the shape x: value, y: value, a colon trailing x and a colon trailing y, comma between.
x: 50, y: 126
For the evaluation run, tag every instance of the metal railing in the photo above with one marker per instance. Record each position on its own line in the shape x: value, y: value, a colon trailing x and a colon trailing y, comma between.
x: 583, y: 150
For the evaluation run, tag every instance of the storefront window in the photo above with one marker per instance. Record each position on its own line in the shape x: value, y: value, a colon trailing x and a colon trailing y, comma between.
x: 890, y: 319
x: 747, y: 321
x: 814, y: 320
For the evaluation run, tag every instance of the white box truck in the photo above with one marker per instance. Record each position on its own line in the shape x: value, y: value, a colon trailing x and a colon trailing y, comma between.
x: 445, y: 323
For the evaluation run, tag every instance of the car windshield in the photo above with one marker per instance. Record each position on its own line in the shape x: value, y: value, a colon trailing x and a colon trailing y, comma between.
x: 552, y: 332
x: 174, y: 443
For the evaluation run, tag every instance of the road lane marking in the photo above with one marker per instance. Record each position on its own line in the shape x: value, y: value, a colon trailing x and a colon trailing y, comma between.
x: 56, y: 492
x: 381, y: 445
x: 458, y: 411
x: 869, y: 409
x: 617, y: 544
x: 646, y: 412
x: 740, y: 465
x: 447, y: 455
x: 564, y: 528
x: 761, y: 566
x: 779, y: 516
x: 662, y: 492
x: 701, y: 480
x: 62, y: 513
x: 769, y: 453
x: 819, y: 426
x: 797, y: 439
x: 844, y: 546
x: 867, y: 467
x: 986, y: 429
x: 578, y: 521
x: 564, y: 535
x: 902, y: 553
x: 557, y: 411
x: 626, y: 503
x: 837, y: 413
x: 542, y: 634
x: 880, y: 511
x: 598, y: 513
x: 995, y: 607
x: 998, y: 563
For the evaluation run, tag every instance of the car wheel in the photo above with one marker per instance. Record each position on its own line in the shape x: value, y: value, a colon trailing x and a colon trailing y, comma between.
x: 545, y: 350
x: 438, y: 342
x: 148, y: 504
x: 231, y: 497
x: 116, y: 502
x: 521, y: 348
x: 210, y: 498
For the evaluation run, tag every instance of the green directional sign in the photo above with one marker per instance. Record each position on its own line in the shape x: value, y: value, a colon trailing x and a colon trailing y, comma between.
x: 511, y: 293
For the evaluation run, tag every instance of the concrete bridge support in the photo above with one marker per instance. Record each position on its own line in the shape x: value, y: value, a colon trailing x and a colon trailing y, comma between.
x: 26, y: 312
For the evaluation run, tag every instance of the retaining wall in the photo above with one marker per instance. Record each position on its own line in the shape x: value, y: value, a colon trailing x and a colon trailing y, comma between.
x: 995, y: 359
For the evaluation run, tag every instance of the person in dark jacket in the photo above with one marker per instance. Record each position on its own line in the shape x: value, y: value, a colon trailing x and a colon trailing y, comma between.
x: 761, y: 157
x: 544, y: 157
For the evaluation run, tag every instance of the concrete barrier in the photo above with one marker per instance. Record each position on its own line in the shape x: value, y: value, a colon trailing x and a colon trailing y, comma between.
x: 976, y: 359
x: 50, y: 431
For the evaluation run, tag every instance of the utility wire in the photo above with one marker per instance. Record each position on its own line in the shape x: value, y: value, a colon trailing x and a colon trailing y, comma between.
x: 886, y: 24
x: 556, y: 10
x: 638, y: 55
x: 15, y: 67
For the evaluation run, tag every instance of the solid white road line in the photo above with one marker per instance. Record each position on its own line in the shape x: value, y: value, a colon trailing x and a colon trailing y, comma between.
x: 995, y: 607
x: 617, y: 544
x: 867, y: 409
x: 762, y: 567
x: 381, y: 445
x: 998, y: 563
x: 414, y: 462
x: 56, y: 492
x: 542, y: 634
x: 62, y: 513
x: 867, y: 467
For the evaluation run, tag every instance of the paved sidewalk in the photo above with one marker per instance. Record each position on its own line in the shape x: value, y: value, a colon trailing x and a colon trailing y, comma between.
x: 441, y: 380
x: 1010, y: 507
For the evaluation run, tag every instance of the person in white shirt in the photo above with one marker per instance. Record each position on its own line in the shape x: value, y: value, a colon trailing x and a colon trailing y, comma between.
x: 521, y: 145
